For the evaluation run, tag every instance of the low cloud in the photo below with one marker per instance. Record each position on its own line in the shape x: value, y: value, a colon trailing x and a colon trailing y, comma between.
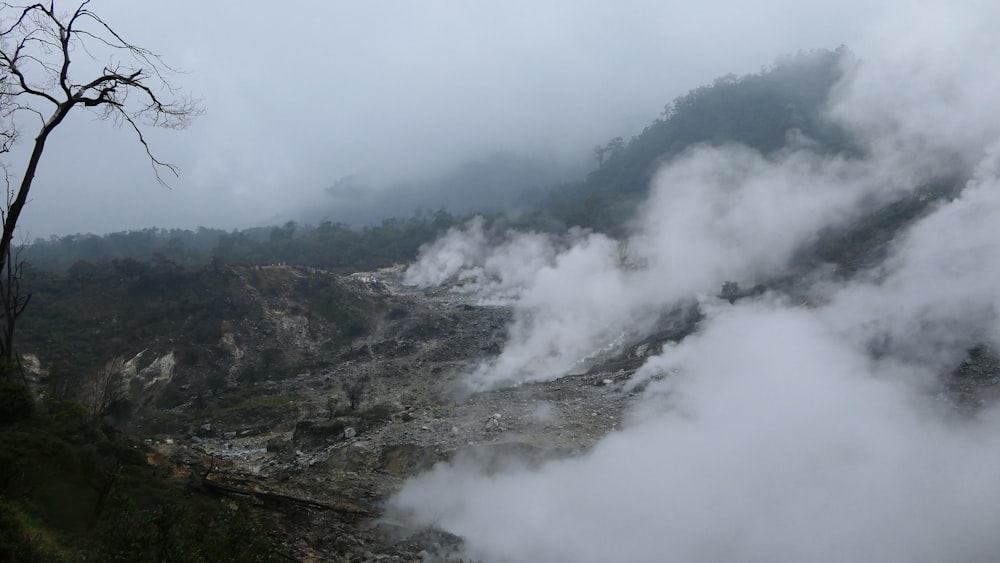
x: 780, y: 430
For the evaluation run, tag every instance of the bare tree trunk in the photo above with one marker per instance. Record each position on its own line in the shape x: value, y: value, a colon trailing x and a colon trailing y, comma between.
x: 17, y: 205
x: 37, y: 48
x: 13, y: 304
x: 11, y: 300
x: 106, y: 387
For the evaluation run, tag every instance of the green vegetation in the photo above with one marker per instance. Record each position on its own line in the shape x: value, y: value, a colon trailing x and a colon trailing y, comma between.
x: 92, y: 313
x: 331, y: 246
x: 81, y: 318
x: 69, y: 493
x: 244, y: 407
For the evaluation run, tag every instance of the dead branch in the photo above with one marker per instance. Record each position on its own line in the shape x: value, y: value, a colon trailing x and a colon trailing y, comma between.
x: 38, y: 49
x: 276, y: 501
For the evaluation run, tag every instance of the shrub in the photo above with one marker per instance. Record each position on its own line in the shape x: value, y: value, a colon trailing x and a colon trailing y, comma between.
x: 16, y: 403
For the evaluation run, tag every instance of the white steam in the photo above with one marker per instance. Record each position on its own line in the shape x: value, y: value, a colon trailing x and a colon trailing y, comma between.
x: 767, y: 452
x: 780, y: 431
x: 940, y: 293
x: 715, y: 215
x: 451, y: 255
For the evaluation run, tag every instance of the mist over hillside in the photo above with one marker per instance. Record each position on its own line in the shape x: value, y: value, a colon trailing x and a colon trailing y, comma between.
x: 824, y: 234
x: 599, y: 191
x: 501, y: 182
x: 807, y: 420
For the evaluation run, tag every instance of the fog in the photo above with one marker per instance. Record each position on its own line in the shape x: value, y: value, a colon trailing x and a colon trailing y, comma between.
x: 777, y: 441
x: 716, y: 215
x: 806, y: 428
x: 299, y: 95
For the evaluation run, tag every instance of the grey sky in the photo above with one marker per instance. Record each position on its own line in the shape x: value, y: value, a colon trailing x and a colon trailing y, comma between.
x: 301, y: 95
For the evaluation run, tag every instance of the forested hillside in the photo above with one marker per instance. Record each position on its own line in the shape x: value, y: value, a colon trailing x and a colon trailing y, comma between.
x: 262, y: 331
x: 766, y: 111
x: 327, y: 245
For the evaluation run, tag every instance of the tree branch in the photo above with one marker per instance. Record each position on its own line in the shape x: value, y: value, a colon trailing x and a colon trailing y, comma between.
x: 37, y: 51
x: 145, y: 145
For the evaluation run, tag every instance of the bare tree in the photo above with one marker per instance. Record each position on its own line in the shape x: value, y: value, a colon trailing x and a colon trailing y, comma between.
x: 38, y: 49
x: 12, y: 302
x: 355, y: 390
x: 106, y: 387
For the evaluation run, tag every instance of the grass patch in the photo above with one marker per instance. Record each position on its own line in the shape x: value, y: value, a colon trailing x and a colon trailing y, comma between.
x: 254, y: 407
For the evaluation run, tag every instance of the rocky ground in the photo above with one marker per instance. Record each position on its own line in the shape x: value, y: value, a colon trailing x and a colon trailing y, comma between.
x: 322, y: 473
x: 390, y: 404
